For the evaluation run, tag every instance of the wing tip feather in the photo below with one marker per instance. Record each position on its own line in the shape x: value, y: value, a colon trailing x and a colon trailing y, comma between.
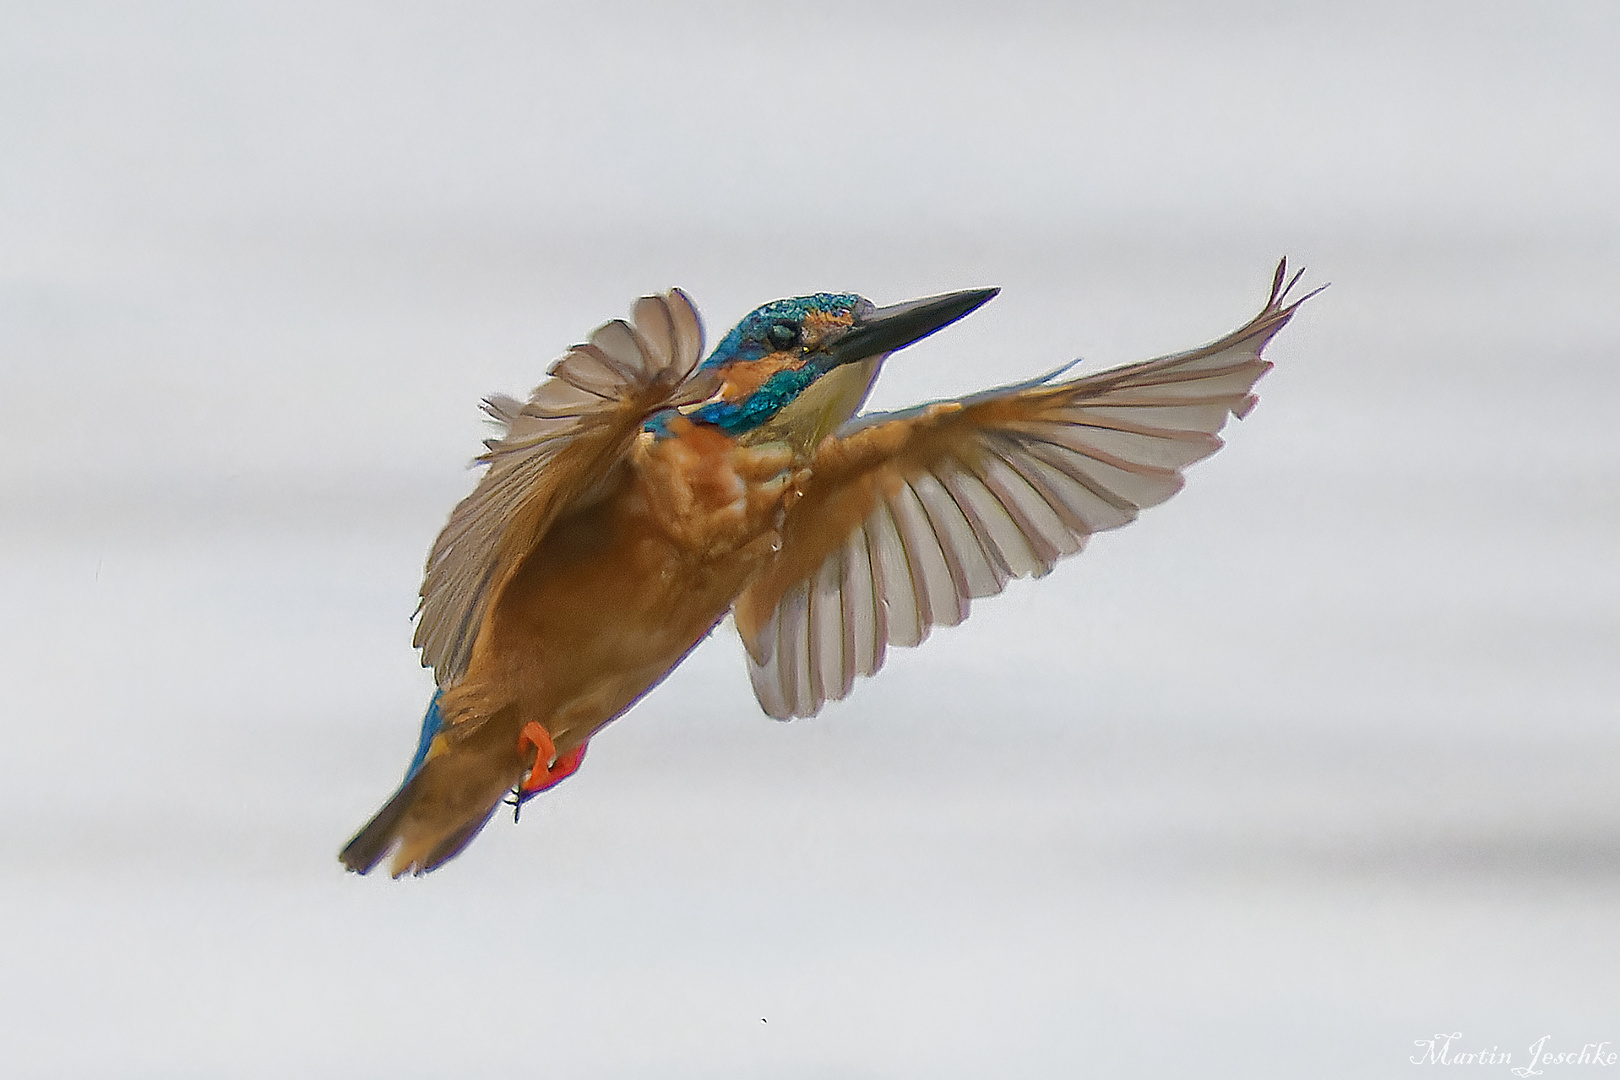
x: 1278, y: 303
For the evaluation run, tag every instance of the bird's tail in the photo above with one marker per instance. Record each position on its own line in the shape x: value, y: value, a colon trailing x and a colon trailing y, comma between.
x: 388, y: 828
x: 447, y: 798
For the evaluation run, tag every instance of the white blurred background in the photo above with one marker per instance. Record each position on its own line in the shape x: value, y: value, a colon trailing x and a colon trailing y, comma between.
x: 1315, y: 761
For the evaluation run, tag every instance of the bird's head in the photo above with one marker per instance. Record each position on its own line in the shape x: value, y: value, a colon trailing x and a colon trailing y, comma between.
x: 794, y: 370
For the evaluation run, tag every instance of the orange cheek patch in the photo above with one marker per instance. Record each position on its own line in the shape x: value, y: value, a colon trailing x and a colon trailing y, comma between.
x: 746, y: 376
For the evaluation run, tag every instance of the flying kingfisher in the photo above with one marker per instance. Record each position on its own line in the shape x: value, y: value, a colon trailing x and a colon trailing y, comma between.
x: 640, y: 495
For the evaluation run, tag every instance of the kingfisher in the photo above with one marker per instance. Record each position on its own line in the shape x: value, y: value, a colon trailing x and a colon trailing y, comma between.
x: 643, y: 493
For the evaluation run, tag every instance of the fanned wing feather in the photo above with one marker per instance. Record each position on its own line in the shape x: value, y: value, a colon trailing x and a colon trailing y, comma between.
x: 553, y: 451
x: 909, y: 516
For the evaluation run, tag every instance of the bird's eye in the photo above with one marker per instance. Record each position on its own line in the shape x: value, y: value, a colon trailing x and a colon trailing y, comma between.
x: 783, y: 335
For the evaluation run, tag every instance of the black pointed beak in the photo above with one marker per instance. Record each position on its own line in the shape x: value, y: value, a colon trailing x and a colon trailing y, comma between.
x: 886, y: 329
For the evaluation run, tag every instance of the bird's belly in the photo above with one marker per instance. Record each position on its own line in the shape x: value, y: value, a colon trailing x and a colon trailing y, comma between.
x: 608, y: 604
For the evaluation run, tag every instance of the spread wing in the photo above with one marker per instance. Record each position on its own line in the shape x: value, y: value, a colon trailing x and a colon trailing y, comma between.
x: 554, y: 451
x: 909, y: 516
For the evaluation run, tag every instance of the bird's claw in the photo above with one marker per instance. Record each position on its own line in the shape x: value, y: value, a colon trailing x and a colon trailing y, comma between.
x: 546, y: 773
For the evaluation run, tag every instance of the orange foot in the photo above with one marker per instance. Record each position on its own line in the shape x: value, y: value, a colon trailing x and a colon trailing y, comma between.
x: 545, y: 774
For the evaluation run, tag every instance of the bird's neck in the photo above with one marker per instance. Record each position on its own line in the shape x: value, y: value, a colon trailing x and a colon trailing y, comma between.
x: 819, y: 410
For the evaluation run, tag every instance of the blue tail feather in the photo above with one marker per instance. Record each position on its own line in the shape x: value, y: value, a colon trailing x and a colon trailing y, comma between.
x: 431, y: 723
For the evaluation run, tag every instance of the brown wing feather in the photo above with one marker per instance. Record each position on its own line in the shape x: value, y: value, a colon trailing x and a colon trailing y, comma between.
x: 555, y: 450
x: 908, y: 517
